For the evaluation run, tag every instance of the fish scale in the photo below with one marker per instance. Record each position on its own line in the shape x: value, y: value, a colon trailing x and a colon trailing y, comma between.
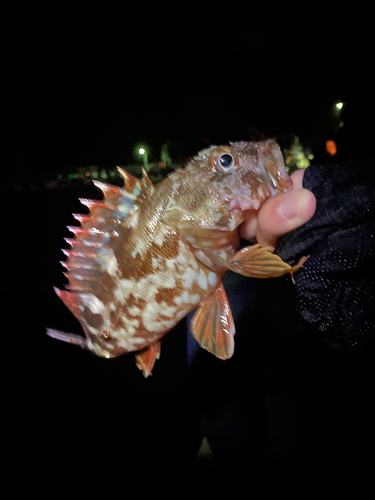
x: 147, y: 255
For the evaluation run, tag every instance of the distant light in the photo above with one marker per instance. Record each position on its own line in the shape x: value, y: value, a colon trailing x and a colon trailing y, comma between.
x: 311, y: 156
x: 87, y: 174
x: 331, y: 147
x: 141, y: 151
x: 339, y: 105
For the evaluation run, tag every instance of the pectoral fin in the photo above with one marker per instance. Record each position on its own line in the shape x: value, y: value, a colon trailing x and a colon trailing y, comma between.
x: 256, y: 261
x: 204, y: 236
x: 213, y: 326
x: 145, y: 359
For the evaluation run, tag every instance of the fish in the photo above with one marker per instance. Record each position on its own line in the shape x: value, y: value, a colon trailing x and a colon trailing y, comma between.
x: 149, y: 254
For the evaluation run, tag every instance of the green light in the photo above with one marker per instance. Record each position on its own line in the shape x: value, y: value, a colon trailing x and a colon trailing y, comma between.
x: 142, y: 150
x: 339, y: 105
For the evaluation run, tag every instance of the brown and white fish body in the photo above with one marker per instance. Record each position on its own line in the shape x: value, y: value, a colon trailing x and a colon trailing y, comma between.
x: 148, y: 255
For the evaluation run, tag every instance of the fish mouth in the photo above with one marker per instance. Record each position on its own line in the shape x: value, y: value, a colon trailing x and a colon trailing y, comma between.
x: 275, y: 176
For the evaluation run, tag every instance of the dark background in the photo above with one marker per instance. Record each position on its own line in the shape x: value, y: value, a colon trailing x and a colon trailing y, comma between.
x: 83, y: 83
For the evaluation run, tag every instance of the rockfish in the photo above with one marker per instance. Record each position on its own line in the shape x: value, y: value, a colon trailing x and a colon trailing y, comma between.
x: 147, y: 255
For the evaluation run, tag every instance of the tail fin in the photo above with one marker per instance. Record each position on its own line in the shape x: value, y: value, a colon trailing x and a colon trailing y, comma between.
x: 71, y: 338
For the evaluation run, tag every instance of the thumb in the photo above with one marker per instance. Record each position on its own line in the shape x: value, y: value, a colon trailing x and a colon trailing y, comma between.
x: 283, y: 214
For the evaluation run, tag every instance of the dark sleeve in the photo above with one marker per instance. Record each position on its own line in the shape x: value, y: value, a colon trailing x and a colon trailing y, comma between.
x: 336, y: 287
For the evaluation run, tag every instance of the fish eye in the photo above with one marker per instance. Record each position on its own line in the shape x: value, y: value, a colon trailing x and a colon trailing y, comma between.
x: 224, y: 163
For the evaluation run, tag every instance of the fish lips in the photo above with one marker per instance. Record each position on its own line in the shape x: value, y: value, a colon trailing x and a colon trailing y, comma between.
x: 281, y: 181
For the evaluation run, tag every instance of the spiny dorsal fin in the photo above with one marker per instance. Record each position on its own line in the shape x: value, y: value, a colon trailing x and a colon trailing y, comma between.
x: 146, y: 182
x: 131, y: 182
x: 92, y: 254
x: 111, y: 192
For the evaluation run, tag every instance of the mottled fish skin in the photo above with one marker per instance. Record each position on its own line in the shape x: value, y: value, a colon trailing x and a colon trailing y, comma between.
x: 148, y: 255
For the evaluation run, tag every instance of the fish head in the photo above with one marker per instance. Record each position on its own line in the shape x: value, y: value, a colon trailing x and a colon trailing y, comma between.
x: 220, y: 184
x: 258, y: 173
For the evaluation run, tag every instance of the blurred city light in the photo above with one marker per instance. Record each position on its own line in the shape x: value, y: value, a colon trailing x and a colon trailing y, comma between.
x: 143, y: 152
x: 297, y: 156
x: 331, y: 147
x: 339, y: 105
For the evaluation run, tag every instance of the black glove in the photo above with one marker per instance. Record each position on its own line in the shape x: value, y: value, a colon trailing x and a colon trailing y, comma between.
x: 336, y: 287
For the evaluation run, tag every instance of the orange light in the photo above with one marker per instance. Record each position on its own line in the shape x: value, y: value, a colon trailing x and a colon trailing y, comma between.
x: 331, y: 147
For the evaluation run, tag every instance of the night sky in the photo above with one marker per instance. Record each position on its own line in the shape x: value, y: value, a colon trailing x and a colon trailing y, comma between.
x: 84, y: 83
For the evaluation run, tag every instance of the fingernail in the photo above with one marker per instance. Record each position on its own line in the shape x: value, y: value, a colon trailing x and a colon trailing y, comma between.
x: 290, y: 207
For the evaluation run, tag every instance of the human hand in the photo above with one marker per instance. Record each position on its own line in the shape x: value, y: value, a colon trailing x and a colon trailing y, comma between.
x: 279, y: 215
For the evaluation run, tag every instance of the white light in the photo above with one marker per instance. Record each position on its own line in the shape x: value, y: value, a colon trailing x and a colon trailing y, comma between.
x: 141, y: 151
x: 339, y: 105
